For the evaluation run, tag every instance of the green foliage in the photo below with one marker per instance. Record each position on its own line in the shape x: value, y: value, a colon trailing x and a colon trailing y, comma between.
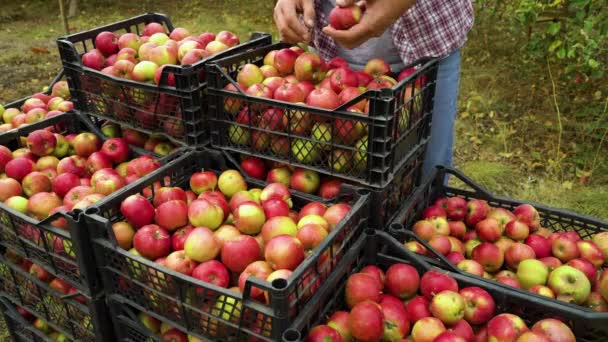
x: 572, y: 32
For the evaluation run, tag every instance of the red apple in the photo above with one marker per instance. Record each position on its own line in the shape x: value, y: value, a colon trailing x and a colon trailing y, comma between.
x: 152, y: 242
x: 166, y: 194
x: 178, y: 261
x: 477, y: 210
x: 213, y: 272
x: 554, y: 329
x: 172, y: 214
x: 517, y: 230
x: 564, y: 249
x: 137, y: 210
x: 284, y: 61
x: 489, y: 256
x: 201, y: 245
x: 488, y: 229
x: 479, y: 305
x: 123, y: 232
x: 343, y: 18
x: 366, y: 321
x: 517, y: 253
x: 239, y: 252
x: 107, y: 43
x: 19, y: 167
x: 540, y: 245
x: 330, y: 188
x: 506, y: 327
x: 254, y: 167
x: 117, y: 149
x: 433, y: 282
x: 528, y: 215
x: 418, y: 308
x: 257, y: 269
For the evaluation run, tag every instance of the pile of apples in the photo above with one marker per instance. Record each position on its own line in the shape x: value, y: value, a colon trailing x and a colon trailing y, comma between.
x: 307, y: 181
x: 142, y: 58
x: 293, y: 75
x: 55, y: 283
x: 153, y: 143
x: 512, y: 248
x: 56, y: 172
x: 400, y: 305
x: 166, y: 331
x: 222, y: 233
x: 36, y: 108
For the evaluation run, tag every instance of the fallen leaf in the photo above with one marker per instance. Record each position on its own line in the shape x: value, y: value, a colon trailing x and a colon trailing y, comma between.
x: 39, y: 50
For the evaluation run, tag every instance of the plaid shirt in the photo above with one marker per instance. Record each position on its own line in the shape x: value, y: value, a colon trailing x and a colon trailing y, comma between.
x: 430, y: 28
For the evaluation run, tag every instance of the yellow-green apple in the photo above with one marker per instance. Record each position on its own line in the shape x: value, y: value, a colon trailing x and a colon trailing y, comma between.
x: 35, y: 115
x: 151, y: 323
x: 366, y: 321
x: 249, y: 218
x: 46, y: 162
x: 335, y: 213
x: 213, y: 272
x: 144, y: 71
x: 343, y: 18
x: 596, y: 302
x: 377, y: 67
x: 314, y: 219
x: 554, y: 329
x: 144, y: 50
x: 309, y: 67
x: 152, y: 242
x: 280, y: 175
x: 18, y: 203
x: 228, y: 38
x: 502, y: 215
x: 584, y: 266
x: 178, y: 261
x: 129, y: 40
x: 158, y: 38
x: 123, y: 69
x: 9, y: 114
x: 258, y: 269
x: 590, y: 251
x: 231, y: 182
x: 162, y: 55
x: 269, y: 58
x: 489, y: 256
x: 284, y: 252
x: 448, y: 306
x: 239, y: 252
x: 215, y: 47
x: 203, y: 181
x: 532, y: 272
x: 127, y: 54
x: 542, y: 290
x: 530, y: 336
x: 172, y: 214
x: 564, y: 249
x: 217, y: 198
x: 396, y: 322
x: 106, y: 42
x: 311, y: 235
x: 427, y: 329
x: 249, y: 74
x: 269, y: 71
x: 517, y: 230
x: 321, y: 132
x: 284, y: 61
x: 529, y: 215
x: 85, y: 144
x: 123, y: 233
x: 402, y: 281
x: 278, y: 225
x: 569, y: 284
x: 456, y: 245
x: 201, y: 245
x: 137, y: 210
x: 239, y: 198
x: 187, y: 46
x: 203, y: 213
x: 540, y: 244
x: 516, y: 253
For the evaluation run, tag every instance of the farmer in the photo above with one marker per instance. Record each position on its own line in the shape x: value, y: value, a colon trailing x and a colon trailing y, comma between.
x: 400, y: 32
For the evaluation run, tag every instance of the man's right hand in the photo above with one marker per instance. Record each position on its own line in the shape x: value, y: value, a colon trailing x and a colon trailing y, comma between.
x: 286, y: 17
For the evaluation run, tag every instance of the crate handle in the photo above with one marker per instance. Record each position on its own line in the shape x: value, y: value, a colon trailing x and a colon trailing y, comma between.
x: 386, y: 239
x: 397, y: 228
x: 445, y: 170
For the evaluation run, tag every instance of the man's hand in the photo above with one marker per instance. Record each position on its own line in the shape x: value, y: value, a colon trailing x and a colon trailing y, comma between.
x: 286, y: 17
x: 378, y: 16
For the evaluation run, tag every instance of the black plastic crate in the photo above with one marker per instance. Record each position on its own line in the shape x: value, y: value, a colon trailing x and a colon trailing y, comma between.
x: 379, y: 248
x: 398, y: 120
x: 19, y: 329
x: 176, y: 112
x: 189, y: 304
x: 127, y: 323
x: 88, y: 321
x: 66, y: 253
x: 556, y: 220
